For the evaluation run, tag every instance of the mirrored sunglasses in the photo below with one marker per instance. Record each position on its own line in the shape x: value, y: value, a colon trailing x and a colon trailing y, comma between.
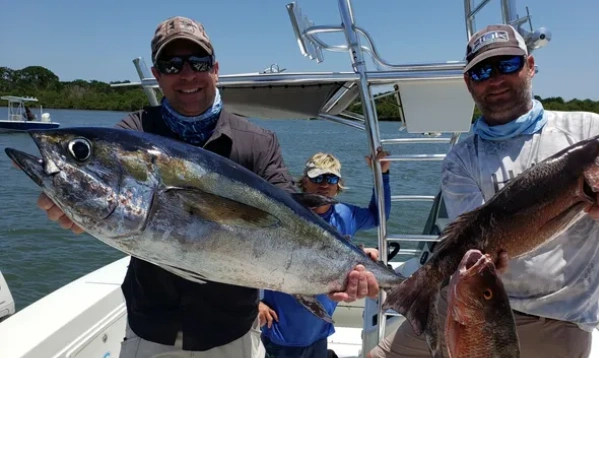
x: 175, y: 64
x: 508, y: 65
x: 331, y: 179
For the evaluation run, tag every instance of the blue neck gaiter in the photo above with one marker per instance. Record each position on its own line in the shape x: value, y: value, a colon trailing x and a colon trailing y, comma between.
x: 193, y: 130
x: 527, y: 124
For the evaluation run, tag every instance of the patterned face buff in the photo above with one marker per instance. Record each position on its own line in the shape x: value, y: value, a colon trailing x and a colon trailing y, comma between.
x: 193, y: 130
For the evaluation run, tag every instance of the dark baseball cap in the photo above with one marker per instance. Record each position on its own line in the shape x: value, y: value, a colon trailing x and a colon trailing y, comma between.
x: 180, y: 28
x: 494, y: 40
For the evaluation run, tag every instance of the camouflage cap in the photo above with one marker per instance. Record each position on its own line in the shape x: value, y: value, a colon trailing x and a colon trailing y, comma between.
x: 179, y: 28
x: 494, y: 40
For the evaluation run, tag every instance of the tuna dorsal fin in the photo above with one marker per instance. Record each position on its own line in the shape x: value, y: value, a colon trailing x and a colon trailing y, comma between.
x: 310, y: 200
x: 214, y: 208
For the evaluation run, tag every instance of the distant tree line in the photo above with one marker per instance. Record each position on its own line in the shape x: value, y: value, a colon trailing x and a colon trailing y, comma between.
x: 37, y: 81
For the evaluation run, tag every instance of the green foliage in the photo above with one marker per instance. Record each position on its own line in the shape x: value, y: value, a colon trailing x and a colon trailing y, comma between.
x: 37, y: 81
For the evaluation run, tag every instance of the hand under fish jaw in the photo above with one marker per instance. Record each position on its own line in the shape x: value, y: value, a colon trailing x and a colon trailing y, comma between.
x: 56, y: 214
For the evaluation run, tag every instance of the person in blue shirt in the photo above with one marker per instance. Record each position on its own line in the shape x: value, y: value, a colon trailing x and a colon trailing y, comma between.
x: 288, y: 328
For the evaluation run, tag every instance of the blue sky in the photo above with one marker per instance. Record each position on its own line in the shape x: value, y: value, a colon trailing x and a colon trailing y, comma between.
x: 99, y: 40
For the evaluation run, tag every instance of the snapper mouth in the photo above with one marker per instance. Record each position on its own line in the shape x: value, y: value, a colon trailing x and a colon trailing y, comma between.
x: 473, y: 262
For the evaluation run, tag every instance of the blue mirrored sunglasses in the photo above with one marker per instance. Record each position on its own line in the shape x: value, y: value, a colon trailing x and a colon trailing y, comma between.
x: 508, y: 65
x: 175, y: 64
x: 331, y: 179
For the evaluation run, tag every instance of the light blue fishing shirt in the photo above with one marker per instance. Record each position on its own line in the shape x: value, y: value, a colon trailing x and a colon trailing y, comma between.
x: 560, y: 280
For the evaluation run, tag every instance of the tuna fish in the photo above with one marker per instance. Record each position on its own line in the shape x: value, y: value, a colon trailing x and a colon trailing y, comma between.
x: 194, y: 213
x: 480, y: 321
x: 526, y: 213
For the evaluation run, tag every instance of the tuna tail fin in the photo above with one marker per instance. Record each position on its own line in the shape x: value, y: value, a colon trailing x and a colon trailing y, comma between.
x: 315, y: 307
x: 416, y: 299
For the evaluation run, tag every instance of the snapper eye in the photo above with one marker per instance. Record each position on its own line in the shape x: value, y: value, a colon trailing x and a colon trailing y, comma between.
x: 80, y: 149
x: 487, y: 294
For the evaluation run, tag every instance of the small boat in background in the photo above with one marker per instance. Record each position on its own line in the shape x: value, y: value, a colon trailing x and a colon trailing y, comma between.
x: 20, y: 117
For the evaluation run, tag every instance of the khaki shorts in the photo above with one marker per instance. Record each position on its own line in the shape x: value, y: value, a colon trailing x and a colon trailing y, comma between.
x: 248, y: 345
x: 539, y: 337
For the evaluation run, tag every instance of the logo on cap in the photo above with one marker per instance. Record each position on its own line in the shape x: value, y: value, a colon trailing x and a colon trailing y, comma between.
x: 489, y: 38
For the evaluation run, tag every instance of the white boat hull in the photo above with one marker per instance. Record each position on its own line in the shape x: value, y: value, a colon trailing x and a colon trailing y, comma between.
x: 87, y: 319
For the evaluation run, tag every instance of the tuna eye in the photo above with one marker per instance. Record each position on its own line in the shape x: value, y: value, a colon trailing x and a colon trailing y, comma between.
x: 80, y: 149
x: 487, y: 294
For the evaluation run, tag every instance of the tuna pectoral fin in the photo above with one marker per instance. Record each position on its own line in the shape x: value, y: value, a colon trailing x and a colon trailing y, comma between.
x: 214, y: 208
x: 311, y: 200
x: 312, y: 304
x: 415, y: 297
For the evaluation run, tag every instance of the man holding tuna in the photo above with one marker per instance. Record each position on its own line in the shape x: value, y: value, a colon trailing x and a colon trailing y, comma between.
x: 169, y: 316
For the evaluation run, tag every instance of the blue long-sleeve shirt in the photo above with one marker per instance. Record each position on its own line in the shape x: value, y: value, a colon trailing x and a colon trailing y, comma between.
x: 296, y: 325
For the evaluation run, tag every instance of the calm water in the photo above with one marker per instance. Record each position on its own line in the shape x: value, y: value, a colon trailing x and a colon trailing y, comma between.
x: 37, y: 256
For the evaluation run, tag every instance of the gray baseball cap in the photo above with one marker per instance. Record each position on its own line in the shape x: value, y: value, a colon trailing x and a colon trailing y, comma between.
x: 494, y: 40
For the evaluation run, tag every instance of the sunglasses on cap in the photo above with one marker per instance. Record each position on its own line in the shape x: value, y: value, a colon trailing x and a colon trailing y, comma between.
x: 332, y: 179
x: 175, y: 64
x: 507, y: 65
